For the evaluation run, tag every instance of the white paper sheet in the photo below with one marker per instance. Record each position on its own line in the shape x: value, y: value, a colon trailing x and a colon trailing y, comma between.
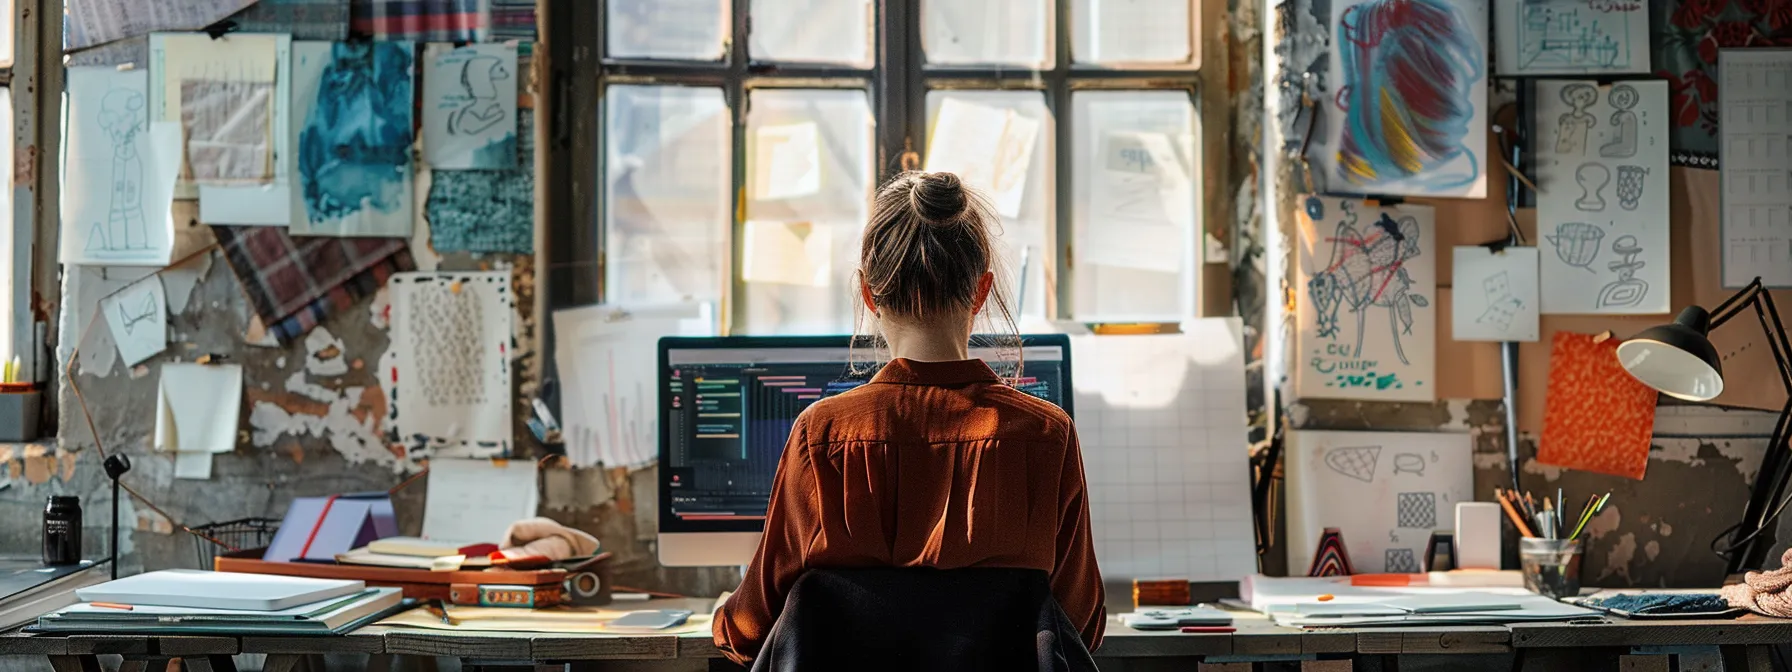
x: 178, y: 58
x: 1161, y: 419
x: 1135, y: 31
x: 1495, y: 296
x: 1386, y: 492
x: 450, y: 358
x: 118, y: 172
x: 788, y: 161
x: 1755, y: 97
x: 789, y: 253
x: 96, y: 22
x: 990, y: 148
x: 263, y: 204
x: 138, y: 318
x: 668, y: 206
x: 196, y: 414
x: 370, y: 193
x: 1367, y: 277
x: 1143, y: 202
x: 1602, y: 205
x: 1378, y: 148
x: 1571, y: 37
x: 608, y: 359
x: 469, y: 106
x: 475, y: 501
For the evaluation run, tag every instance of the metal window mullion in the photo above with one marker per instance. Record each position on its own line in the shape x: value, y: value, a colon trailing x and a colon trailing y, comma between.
x: 734, y: 94
x: 1063, y: 124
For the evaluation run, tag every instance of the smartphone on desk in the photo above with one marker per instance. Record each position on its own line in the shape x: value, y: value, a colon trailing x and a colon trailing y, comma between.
x: 656, y: 619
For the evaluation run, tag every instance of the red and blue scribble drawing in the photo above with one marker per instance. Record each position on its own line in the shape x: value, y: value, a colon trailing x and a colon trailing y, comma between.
x: 1409, y: 69
x: 1368, y: 270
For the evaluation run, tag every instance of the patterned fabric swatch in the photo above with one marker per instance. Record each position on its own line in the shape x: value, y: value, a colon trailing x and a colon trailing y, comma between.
x: 487, y: 210
x: 423, y: 20
x: 1596, y: 417
x: 513, y: 20
x: 294, y: 284
x: 305, y: 19
x: 1687, y: 35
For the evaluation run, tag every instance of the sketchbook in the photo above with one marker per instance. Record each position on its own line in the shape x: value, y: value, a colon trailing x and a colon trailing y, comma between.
x: 195, y: 589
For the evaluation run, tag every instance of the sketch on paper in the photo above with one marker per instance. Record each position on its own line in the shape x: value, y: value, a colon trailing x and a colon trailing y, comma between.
x: 1570, y: 37
x: 1141, y: 194
x: 1395, y: 512
x: 1496, y: 294
x: 1355, y: 462
x: 354, y: 151
x: 117, y: 186
x: 1757, y: 166
x: 1410, y: 97
x: 1401, y: 561
x: 449, y: 364
x: 1366, y: 324
x: 1594, y: 205
x: 138, y: 319
x: 470, y: 106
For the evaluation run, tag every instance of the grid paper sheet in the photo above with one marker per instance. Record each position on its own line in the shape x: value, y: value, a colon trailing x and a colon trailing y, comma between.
x: 1756, y: 162
x: 1162, y: 424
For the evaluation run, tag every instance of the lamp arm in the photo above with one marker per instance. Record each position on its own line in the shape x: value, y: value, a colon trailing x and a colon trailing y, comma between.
x: 1769, y: 315
x: 1734, y: 305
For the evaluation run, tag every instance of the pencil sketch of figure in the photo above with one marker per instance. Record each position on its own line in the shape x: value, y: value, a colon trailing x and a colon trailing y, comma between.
x: 122, y: 115
x: 479, y: 77
x: 1368, y: 270
x: 1572, y: 127
x: 1623, y: 143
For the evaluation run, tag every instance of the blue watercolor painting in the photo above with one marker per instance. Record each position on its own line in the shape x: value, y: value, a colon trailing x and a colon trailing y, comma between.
x: 355, y: 145
x: 487, y: 210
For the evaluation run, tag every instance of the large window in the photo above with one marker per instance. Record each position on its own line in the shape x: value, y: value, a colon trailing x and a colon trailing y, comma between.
x: 740, y: 142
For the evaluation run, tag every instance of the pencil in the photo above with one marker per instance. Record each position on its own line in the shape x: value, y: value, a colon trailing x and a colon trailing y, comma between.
x: 112, y: 605
x: 1516, y: 519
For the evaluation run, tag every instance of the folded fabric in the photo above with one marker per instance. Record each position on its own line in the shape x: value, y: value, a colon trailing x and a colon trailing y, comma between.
x: 547, y: 538
x: 1764, y: 592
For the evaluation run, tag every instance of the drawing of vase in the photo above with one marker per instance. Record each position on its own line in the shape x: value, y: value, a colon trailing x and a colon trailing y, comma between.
x: 1577, y: 243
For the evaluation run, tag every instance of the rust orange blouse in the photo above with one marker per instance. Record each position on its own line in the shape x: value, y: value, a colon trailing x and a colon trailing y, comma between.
x: 932, y: 464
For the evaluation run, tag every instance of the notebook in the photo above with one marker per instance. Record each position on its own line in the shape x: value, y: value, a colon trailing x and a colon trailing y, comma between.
x: 218, y: 590
x: 330, y: 616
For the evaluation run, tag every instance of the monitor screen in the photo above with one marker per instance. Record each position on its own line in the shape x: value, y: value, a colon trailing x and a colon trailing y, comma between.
x: 728, y: 405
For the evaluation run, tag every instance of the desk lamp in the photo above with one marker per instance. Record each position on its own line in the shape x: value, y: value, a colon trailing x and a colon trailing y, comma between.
x: 1679, y: 361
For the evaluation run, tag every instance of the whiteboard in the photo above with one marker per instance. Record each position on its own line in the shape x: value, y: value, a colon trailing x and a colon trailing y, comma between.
x: 1386, y: 492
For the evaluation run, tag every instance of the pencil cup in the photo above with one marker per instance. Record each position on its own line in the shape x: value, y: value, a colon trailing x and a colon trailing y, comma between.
x: 1551, y: 566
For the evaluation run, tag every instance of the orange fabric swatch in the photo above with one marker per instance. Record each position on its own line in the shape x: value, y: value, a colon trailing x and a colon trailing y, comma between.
x: 1596, y: 417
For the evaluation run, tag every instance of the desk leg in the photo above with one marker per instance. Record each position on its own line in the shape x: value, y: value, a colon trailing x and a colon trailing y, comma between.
x: 210, y: 664
x: 75, y: 663
x: 1757, y: 658
x: 281, y: 662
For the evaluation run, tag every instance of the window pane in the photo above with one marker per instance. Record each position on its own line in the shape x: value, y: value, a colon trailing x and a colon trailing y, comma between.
x: 1000, y: 143
x: 1135, y: 218
x: 1133, y: 31
x: 6, y: 53
x: 691, y: 30
x: 808, y: 195
x: 7, y: 274
x: 987, y: 32
x: 812, y: 31
x: 667, y: 171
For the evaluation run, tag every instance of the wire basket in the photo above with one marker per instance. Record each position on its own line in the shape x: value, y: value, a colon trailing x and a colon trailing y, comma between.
x: 235, y: 535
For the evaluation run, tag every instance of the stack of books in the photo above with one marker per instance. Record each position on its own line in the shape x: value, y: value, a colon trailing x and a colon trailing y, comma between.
x: 187, y: 601
x: 417, y: 553
x: 29, y: 589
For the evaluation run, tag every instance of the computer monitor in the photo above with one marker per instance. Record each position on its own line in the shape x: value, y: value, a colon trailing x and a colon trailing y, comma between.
x: 727, y: 406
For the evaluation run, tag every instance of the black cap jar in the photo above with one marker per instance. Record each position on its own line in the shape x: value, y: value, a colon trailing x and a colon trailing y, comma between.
x: 62, y: 530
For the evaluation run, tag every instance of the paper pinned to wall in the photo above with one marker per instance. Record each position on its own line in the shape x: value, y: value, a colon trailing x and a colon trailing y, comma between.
x: 1367, y: 327
x: 1161, y: 420
x: 788, y: 253
x: 1571, y: 37
x: 1602, y: 200
x: 138, y: 318
x: 118, y: 172
x: 469, y: 106
x: 235, y: 68
x: 266, y: 204
x: 1756, y: 104
x: 609, y: 377
x: 475, y: 501
x: 788, y: 161
x: 449, y: 363
x: 368, y: 193
x: 95, y: 22
x: 1386, y: 492
x: 1495, y: 294
x: 990, y: 148
x: 1144, y: 203
x: 196, y: 414
x: 1596, y: 416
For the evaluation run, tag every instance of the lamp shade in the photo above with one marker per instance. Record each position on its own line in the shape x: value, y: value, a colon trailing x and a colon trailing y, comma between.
x: 1676, y: 358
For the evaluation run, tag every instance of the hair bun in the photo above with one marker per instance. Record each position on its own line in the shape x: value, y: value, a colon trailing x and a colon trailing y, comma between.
x: 938, y: 197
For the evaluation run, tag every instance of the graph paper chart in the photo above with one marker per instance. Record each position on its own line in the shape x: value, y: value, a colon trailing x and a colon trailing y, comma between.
x: 1162, y: 424
x: 1755, y: 160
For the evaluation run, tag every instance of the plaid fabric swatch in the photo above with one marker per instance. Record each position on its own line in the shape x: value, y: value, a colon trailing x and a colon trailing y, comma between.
x: 487, y: 210
x: 512, y: 20
x: 305, y: 19
x: 423, y: 20
x: 295, y: 283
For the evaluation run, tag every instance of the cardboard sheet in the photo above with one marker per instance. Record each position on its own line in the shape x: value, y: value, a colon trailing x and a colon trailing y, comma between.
x: 1598, y: 418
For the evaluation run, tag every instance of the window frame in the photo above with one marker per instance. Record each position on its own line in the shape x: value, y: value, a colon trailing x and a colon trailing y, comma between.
x: 31, y: 269
x: 898, y: 82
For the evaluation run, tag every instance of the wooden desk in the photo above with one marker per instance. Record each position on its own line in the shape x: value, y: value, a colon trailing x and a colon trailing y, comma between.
x: 1734, y: 645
